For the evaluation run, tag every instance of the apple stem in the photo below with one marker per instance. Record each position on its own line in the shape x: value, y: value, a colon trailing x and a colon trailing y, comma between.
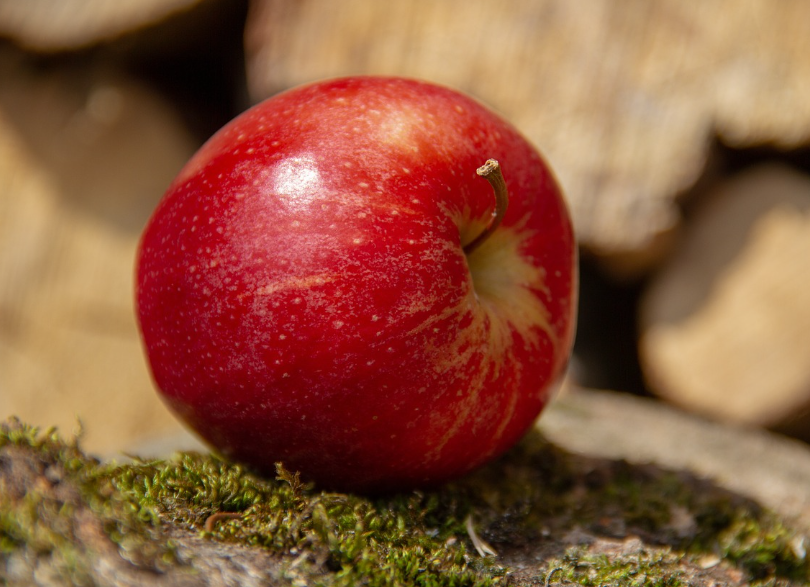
x: 491, y: 171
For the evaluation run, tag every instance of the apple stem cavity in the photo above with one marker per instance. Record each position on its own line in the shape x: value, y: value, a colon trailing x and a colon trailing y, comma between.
x: 491, y: 171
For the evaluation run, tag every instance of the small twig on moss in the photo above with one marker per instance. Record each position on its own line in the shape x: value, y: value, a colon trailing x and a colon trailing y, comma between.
x: 292, y: 479
x: 551, y: 574
x: 481, y: 547
x: 212, y: 520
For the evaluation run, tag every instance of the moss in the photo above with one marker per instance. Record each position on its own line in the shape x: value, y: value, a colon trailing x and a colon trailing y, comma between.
x: 401, y: 540
x: 643, y: 568
x: 45, y: 494
x: 764, y: 547
x: 529, y: 499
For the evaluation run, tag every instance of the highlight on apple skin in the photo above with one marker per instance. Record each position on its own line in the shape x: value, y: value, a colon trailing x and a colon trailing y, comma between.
x: 304, y: 295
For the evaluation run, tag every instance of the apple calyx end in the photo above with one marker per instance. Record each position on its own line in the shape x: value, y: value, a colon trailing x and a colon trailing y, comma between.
x: 491, y: 171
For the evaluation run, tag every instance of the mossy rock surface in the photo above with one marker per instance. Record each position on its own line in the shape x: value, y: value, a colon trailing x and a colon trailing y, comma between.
x: 552, y: 517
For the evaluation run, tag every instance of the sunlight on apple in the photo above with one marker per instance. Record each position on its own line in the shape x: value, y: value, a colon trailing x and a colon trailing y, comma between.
x: 397, y: 126
x: 299, y: 178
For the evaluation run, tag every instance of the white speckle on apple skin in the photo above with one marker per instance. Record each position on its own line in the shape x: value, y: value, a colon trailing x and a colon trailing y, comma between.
x: 334, y: 287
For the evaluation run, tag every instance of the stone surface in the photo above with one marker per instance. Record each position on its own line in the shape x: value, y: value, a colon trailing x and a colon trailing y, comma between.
x: 762, y: 466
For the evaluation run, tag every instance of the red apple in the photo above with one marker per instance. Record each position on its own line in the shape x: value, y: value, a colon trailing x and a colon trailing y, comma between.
x: 304, y: 294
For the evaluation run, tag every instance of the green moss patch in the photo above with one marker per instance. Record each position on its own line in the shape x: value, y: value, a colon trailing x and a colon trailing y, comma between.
x: 551, y: 516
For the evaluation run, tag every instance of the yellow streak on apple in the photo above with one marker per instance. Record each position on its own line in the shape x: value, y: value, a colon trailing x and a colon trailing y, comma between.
x: 504, y: 282
x: 502, y: 302
x: 303, y: 283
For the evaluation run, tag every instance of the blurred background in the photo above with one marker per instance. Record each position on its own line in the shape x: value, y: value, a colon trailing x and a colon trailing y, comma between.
x: 679, y: 132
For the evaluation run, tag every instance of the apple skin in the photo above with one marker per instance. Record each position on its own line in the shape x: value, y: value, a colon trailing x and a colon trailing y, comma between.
x: 304, y: 297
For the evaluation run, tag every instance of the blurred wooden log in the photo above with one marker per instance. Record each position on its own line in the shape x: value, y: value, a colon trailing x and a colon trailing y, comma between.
x: 725, y: 326
x: 84, y: 157
x: 58, y: 25
x: 623, y: 98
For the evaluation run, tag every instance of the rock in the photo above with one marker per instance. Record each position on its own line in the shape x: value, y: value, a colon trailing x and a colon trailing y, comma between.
x: 724, y: 325
x: 762, y: 466
x: 624, y: 99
